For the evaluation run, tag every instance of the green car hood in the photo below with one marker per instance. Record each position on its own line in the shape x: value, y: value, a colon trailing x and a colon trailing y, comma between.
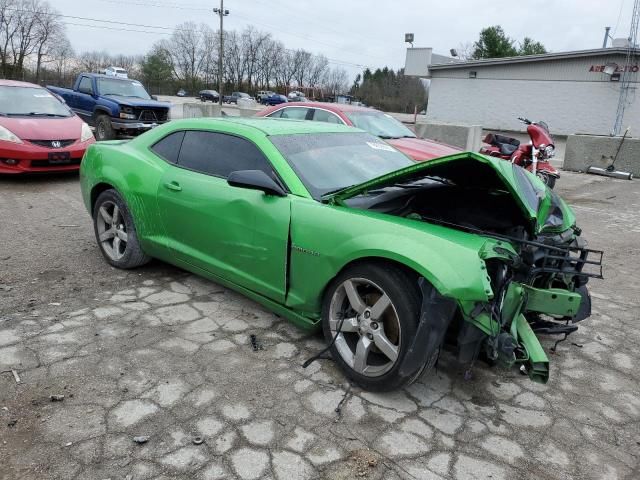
x: 528, y: 191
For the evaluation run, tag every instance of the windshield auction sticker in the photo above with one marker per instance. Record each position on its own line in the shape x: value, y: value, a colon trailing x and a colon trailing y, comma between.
x: 380, y: 146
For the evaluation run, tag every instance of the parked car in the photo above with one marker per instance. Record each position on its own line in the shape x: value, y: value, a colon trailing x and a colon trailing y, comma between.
x: 181, y: 93
x: 298, y: 98
x: 210, y: 95
x: 264, y: 93
x: 38, y: 132
x: 341, y: 231
x: 113, y: 105
x: 373, y: 121
x: 274, y: 99
x: 295, y: 93
x: 116, y: 72
x: 233, y: 98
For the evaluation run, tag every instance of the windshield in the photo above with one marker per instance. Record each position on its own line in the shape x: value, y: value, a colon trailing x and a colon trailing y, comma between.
x: 326, y: 162
x: 379, y: 124
x: 123, y: 88
x: 31, y: 101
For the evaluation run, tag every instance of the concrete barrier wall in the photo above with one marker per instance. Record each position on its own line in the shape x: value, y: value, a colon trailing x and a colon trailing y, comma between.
x: 466, y: 137
x: 583, y: 151
x: 199, y: 110
x: 248, y: 112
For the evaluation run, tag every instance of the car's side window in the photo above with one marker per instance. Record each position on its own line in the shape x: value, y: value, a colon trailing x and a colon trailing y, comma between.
x: 169, y: 147
x: 277, y: 113
x: 220, y: 154
x: 296, y: 113
x: 324, y: 116
x: 85, y: 85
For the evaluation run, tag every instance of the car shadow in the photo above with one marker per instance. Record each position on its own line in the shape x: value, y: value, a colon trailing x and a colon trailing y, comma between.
x: 35, y: 178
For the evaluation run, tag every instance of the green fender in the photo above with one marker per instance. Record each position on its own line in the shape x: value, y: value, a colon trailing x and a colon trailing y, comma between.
x: 323, y: 243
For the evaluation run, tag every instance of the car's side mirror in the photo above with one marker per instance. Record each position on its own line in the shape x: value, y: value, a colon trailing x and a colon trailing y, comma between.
x: 255, y: 180
x: 153, y: 97
x: 86, y: 91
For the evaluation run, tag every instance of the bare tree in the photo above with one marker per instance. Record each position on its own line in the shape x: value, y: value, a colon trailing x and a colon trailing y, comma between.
x: 49, y: 31
x: 336, y: 81
x: 302, y: 62
x: 186, y: 50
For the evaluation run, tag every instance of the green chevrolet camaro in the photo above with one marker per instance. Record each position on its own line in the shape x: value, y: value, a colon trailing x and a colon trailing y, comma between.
x: 330, y: 227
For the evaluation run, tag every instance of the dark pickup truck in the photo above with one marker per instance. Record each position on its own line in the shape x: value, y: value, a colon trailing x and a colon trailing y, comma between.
x: 113, y: 105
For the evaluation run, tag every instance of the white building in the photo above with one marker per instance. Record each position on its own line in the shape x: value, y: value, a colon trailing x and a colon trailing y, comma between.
x: 574, y: 92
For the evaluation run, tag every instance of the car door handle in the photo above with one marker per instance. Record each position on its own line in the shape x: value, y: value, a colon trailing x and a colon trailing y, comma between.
x: 175, y: 186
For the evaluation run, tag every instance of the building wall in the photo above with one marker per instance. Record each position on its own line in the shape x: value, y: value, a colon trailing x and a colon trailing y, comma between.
x: 564, y: 93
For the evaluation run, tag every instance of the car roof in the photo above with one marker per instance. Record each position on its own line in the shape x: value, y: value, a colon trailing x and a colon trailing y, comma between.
x: 334, y: 107
x: 271, y: 126
x: 102, y: 75
x: 16, y: 83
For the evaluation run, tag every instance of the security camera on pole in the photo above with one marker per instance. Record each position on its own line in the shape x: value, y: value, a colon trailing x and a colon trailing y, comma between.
x: 221, y: 13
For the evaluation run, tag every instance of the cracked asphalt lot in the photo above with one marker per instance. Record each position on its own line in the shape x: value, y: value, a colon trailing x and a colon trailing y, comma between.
x: 160, y: 353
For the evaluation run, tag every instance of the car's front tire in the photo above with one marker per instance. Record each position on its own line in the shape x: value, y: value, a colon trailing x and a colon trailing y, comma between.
x: 116, y: 233
x: 380, y: 304
x: 104, y: 129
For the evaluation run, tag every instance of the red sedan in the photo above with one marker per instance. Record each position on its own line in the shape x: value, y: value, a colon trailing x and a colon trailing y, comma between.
x: 38, y: 132
x: 373, y: 121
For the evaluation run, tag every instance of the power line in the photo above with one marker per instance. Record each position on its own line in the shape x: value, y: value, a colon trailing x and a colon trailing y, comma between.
x: 105, y: 27
x: 615, y: 29
x: 273, y: 28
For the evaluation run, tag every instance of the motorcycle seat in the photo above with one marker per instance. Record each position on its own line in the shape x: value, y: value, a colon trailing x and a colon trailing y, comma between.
x: 497, y: 139
x: 507, y: 148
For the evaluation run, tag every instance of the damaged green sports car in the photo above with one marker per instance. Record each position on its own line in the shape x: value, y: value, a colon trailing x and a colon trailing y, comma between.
x: 330, y: 227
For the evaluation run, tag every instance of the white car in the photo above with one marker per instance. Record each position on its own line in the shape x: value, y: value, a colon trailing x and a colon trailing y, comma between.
x: 295, y: 94
x: 116, y: 72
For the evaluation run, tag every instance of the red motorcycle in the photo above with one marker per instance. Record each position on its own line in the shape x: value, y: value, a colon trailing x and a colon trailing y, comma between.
x: 534, y: 156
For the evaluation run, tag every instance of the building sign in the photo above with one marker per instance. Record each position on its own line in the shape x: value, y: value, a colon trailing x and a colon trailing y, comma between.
x: 600, y: 68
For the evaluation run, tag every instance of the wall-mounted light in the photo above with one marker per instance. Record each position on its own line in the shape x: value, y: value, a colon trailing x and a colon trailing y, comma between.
x: 408, y: 38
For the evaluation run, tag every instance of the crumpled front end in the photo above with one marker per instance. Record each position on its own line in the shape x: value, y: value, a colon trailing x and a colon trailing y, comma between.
x: 538, y: 288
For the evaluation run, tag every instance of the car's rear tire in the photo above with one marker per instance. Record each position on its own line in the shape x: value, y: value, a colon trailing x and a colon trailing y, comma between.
x: 104, y: 129
x: 380, y: 304
x: 116, y: 233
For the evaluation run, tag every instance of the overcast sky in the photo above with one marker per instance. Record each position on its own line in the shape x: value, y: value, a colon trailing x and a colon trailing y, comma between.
x: 354, y: 33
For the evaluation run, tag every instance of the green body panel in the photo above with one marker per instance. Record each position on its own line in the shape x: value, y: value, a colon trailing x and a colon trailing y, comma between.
x: 325, y: 238
x: 552, y: 301
x: 537, y: 361
x: 284, y: 251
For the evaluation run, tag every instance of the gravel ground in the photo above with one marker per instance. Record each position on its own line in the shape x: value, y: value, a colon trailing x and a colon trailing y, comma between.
x: 160, y: 353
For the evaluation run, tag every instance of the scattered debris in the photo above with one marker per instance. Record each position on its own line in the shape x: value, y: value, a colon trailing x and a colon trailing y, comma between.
x: 16, y: 377
x: 255, y: 344
x: 55, y: 304
x: 141, y: 439
x: 56, y: 398
x: 12, y: 422
x: 579, y: 345
x: 68, y: 444
x: 69, y: 226
x: 197, y: 440
x: 364, y: 462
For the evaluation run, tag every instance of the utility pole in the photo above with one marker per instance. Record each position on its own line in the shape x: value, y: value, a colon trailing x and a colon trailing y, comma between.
x: 221, y: 13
